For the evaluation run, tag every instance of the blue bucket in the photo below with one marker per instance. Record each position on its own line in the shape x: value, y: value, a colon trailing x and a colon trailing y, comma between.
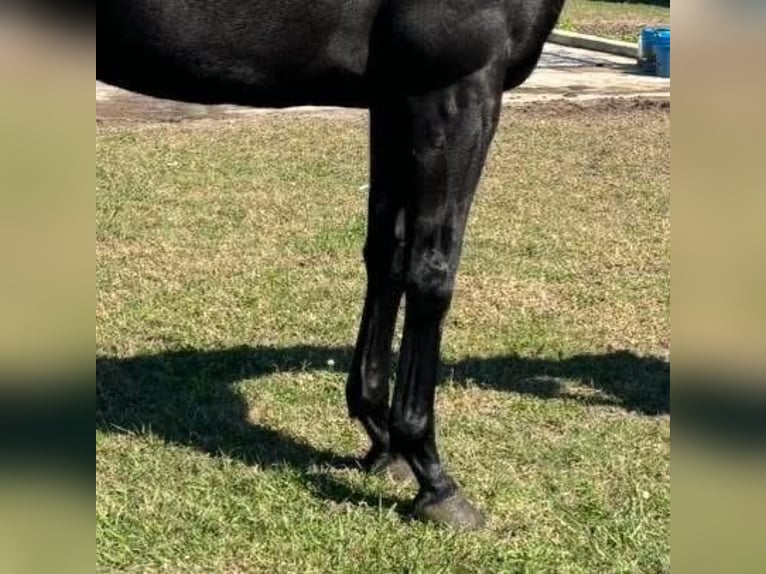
x: 662, y: 53
x: 646, y: 42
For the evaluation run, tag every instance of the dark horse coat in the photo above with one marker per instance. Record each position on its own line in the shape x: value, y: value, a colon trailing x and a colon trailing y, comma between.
x: 432, y: 73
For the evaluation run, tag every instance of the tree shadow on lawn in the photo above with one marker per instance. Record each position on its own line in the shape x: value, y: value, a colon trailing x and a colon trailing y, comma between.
x: 186, y: 397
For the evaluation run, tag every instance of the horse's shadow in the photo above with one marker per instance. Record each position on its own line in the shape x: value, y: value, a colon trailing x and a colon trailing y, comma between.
x: 187, y: 398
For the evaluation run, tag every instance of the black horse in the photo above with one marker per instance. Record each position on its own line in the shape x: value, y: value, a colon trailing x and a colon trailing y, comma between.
x: 432, y: 73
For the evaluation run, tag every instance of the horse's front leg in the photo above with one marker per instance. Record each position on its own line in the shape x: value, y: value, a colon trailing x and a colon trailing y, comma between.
x: 367, y: 388
x: 450, y: 131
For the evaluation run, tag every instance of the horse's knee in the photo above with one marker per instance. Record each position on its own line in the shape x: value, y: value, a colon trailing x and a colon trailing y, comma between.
x: 374, y: 391
x: 367, y: 390
x: 430, y: 283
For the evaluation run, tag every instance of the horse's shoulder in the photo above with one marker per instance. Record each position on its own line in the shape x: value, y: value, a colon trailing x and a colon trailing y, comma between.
x: 431, y: 36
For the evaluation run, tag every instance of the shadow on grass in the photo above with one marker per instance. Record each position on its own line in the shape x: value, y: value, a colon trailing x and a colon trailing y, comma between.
x: 186, y: 398
x: 622, y: 378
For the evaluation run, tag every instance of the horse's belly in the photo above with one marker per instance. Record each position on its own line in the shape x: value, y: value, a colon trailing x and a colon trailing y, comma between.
x: 237, y: 83
x: 258, y: 53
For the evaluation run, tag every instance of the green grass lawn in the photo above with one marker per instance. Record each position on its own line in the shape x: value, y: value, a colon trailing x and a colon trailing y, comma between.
x: 229, y: 286
x: 612, y: 19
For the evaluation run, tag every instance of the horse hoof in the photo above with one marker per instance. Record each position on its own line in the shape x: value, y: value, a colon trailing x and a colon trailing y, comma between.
x: 454, y: 511
x: 388, y: 465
